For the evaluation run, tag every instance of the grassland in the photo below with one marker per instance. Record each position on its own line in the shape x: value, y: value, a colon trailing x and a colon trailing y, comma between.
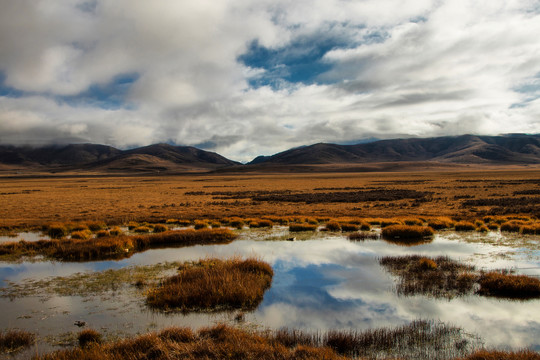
x: 36, y: 201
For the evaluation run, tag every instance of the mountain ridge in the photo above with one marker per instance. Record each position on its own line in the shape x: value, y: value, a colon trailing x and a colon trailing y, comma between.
x: 448, y: 151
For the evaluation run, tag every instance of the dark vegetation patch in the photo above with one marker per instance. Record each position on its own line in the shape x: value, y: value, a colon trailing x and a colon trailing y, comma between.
x: 528, y: 192
x: 214, y: 284
x: 114, y: 247
x: 347, y: 197
x: 502, y: 202
x: 302, y: 227
x: 14, y: 340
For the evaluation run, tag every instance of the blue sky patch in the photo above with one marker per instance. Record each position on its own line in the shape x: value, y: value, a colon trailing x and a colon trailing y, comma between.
x: 111, y: 95
x: 298, y: 62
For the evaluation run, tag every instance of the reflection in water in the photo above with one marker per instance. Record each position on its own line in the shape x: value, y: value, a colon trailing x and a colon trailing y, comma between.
x: 325, y: 283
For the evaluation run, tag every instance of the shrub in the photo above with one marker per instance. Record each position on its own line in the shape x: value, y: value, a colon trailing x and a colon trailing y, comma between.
x: 302, y: 227
x: 333, y: 226
x: 88, y: 337
x: 464, y: 226
x: 57, y: 231
x: 407, y: 232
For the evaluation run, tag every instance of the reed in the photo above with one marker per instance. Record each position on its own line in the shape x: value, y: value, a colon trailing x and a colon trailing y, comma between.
x: 214, y: 284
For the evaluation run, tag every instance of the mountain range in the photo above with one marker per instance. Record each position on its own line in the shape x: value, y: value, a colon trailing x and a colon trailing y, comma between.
x: 510, y: 149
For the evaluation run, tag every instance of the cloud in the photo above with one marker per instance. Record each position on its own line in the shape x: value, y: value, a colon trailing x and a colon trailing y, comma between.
x: 243, y: 78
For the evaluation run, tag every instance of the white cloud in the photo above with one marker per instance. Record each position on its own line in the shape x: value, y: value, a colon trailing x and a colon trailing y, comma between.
x: 418, y: 68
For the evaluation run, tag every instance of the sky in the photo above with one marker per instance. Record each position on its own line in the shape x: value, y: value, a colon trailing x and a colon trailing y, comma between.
x: 247, y: 78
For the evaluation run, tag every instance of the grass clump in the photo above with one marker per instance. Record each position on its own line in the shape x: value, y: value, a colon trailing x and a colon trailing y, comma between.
x: 115, y: 231
x: 96, y: 225
x: 511, y: 226
x: 464, y: 226
x: 214, y: 284
x: 333, y: 226
x: 439, y: 223
x: 81, y: 235
x: 200, y: 224
x: 302, y: 227
x: 142, y: 229
x: 412, y: 232
x: 363, y: 235
x: 158, y: 228
x: 15, y: 340
x: 499, y: 284
x: 348, y: 227
x: 89, y: 337
x: 503, y: 355
x: 57, y: 231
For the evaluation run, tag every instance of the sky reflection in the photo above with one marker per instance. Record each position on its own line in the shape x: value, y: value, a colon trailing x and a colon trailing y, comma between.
x: 325, y: 283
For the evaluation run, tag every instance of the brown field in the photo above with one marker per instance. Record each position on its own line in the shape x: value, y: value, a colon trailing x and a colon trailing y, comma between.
x: 28, y: 201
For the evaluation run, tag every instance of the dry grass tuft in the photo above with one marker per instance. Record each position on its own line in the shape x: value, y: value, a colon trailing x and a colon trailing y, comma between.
x: 89, y: 337
x: 464, y: 226
x: 407, y: 232
x: 503, y: 355
x: 214, y: 284
x: 302, y: 227
x: 158, y: 228
x: 439, y: 223
x: 363, y: 235
x: 509, y: 286
x: 57, y: 231
x: 333, y: 226
x: 15, y: 340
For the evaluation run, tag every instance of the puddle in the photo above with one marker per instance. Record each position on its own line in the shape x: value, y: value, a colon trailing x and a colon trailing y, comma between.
x: 326, y: 282
x: 27, y: 236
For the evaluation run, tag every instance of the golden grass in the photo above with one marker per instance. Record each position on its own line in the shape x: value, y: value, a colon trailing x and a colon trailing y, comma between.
x: 88, y: 337
x: 464, y: 226
x: 509, y: 286
x: 212, y: 343
x: 214, y: 284
x: 156, y: 199
x: 302, y: 227
x: 407, y: 232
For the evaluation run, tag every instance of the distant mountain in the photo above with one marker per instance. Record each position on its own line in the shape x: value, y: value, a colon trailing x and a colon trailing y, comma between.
x: 465, y: 149
x: 89, y: 157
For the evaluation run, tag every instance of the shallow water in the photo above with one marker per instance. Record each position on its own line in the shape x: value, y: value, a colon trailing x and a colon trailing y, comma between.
x: 326, y: 282
x: 25, y: 235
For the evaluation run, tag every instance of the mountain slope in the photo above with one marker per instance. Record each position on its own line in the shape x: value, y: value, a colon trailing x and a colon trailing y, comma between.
x: 466, y: 149
x: 91, y: 157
